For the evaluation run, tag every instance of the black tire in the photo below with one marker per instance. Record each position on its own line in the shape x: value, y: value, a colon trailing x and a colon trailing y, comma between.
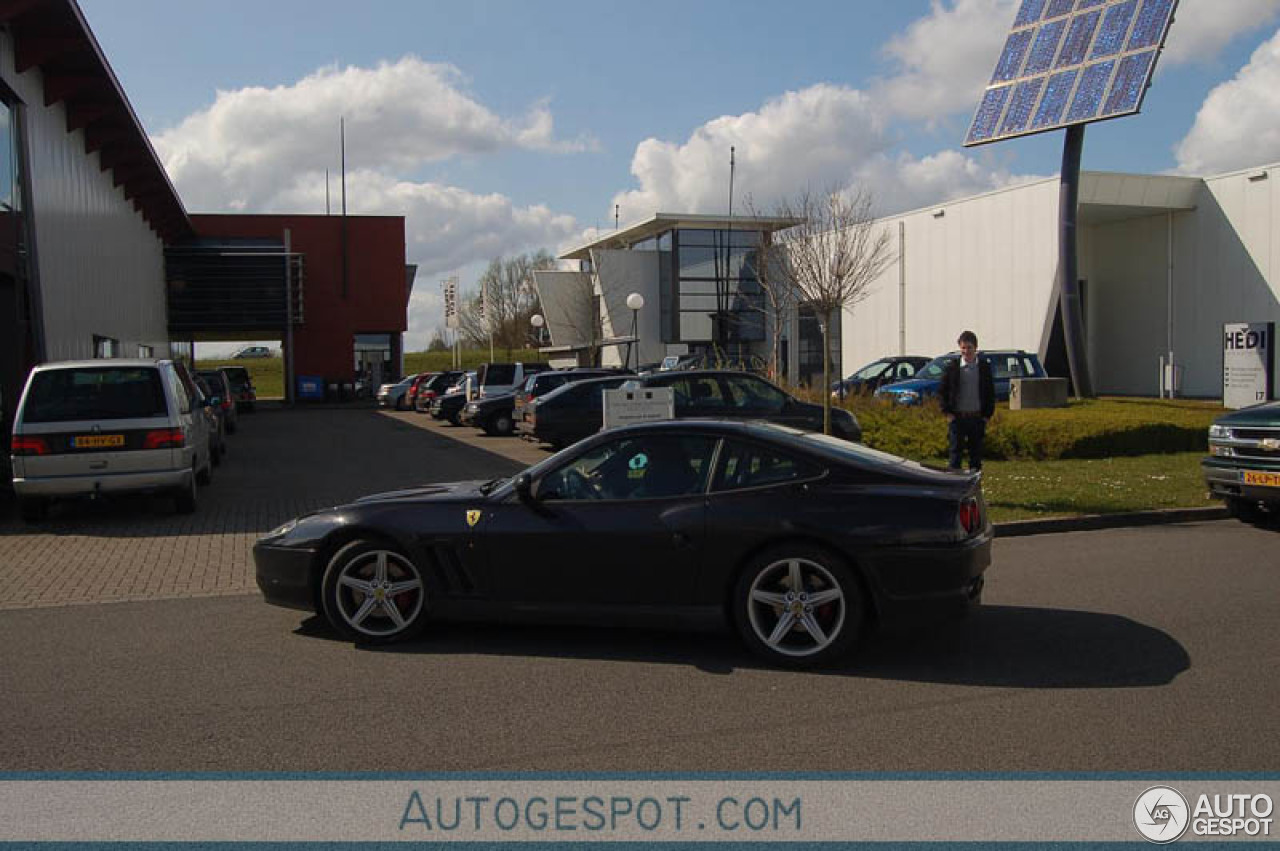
x: 184, y: 499
x: 34, y: 509
x: 371, y: 614
x: 205, y: 476
x: 1244, y: 510
x: 817, y: 625
x: 400, y: 403
x: 502, y: 425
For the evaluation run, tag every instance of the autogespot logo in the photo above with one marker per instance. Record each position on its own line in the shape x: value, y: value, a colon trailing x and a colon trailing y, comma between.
x: 1161, y: 814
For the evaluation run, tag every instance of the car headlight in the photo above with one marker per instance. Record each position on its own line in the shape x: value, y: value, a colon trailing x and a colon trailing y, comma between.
x: 283, y: 529
x: 1222, y: 451
x: 1218, y: 431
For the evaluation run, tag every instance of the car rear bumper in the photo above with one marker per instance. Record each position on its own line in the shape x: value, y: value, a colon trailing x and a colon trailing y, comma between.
x: 919, y: 582
x: 284, y: 576
x: 1225, y: 479
x: 81, y: 485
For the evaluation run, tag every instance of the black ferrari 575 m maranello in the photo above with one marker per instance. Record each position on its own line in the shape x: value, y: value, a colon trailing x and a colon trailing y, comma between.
x: 795, y: 539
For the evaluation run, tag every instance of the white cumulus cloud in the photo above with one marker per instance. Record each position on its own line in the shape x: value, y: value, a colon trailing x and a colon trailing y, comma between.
x: 251, y: 143
x: 944, y: 59
x: 1201, y: 28
x: 1237, y: 125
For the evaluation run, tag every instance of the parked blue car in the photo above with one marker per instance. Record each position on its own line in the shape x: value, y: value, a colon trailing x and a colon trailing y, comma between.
x: 1005, y: 365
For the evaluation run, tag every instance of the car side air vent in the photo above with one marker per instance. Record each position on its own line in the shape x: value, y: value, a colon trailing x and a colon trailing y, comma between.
x: 450, y: 569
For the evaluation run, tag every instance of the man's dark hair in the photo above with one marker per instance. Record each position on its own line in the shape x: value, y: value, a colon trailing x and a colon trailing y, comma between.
x: 968, y: 337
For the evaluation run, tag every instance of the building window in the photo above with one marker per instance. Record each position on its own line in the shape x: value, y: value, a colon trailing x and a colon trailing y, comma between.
x: 716, y: 273
x: 146, y: 352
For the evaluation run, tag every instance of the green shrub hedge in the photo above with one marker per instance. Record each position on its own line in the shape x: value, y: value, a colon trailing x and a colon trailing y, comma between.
x: 1093, y: 428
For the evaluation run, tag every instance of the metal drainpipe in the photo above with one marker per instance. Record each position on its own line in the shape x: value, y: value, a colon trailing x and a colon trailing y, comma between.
x: 902, y: 287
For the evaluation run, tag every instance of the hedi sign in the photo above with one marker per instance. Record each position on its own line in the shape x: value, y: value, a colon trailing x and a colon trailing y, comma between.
x: 1247, y: 375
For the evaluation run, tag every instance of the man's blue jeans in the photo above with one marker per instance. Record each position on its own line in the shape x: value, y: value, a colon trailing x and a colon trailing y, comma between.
x: 966, y: 432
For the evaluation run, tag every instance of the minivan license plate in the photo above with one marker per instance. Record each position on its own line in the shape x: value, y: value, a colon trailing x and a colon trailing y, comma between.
x: 97, y: 441
x: 1271, y: 480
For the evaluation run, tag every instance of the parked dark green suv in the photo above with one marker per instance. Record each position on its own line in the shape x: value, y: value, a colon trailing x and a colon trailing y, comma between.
x: 1243, y: 466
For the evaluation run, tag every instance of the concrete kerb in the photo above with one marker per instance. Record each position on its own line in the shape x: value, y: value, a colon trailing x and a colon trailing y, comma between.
x: 1090, y: 522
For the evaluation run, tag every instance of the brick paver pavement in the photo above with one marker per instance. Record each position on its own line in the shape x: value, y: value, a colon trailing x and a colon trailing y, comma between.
x: 281, y: 463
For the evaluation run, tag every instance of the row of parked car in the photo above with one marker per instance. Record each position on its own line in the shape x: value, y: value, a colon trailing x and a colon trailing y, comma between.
x: 911, y: 379
x: 108, y: 426
x: 561, y: 406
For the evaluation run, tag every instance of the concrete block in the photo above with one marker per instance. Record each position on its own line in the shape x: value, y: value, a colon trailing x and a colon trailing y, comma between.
x: 1037, y: 393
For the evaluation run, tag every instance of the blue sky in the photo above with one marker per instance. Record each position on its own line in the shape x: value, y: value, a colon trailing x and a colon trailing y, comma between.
x: 501, y: 127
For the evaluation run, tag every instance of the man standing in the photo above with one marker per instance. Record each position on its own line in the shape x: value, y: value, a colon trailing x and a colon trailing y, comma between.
x: 968, y: 396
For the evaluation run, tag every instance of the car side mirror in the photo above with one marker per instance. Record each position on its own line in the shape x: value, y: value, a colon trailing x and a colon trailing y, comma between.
x: 523, y: 485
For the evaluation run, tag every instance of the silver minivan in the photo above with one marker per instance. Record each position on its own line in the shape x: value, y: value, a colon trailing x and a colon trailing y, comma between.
x: 87, y: 428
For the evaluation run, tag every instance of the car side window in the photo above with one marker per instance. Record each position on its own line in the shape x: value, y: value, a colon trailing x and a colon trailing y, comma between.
x: 644, y: 467
x: 756, y: 395
x: 180, y: 393
x: 699, y: 394
x: 747, y: 465
x: 1029, y: 367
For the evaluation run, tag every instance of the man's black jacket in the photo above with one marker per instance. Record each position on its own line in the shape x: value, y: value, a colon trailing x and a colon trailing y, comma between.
x: 986, y: 387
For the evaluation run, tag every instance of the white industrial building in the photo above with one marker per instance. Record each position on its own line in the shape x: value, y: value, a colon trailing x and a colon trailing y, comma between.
x: 1164, y: 263
x: 85, y: 206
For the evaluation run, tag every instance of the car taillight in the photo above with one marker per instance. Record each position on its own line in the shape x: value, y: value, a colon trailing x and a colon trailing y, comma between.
x: 29, y: 446
x: 165, y: 438
x: 970, y: 515
x: 226, y: 404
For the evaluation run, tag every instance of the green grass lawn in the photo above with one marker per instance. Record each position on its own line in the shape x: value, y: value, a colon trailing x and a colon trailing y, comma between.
x: 1023, y: 490
x: 267, y: 373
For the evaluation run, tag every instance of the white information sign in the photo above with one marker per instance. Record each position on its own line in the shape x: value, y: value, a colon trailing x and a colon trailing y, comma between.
x: 628, y: 405
x: 1247, y: 349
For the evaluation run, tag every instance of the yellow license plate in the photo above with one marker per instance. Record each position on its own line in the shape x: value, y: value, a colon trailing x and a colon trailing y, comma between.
x: 1270, y: 480
x: 97, y: 441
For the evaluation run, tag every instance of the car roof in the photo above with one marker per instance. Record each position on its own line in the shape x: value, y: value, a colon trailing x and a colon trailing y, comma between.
x: 99, y: 363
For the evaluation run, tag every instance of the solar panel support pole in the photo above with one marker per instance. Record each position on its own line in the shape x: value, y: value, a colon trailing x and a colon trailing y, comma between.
x: 1069, y: 292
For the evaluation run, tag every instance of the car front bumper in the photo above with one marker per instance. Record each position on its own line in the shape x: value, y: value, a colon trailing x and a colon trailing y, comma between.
x: 113, y: 483
x: 1225, y: 478
x: 284, y: 576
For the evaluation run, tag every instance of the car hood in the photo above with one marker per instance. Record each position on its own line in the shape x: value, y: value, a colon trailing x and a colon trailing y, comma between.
x: 442, y: 492
x: 919, y: 385
x: 1267, y: 413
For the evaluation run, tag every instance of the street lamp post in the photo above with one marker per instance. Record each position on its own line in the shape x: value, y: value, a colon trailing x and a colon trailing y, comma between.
x: 635, y: 301
x: 537, y: 322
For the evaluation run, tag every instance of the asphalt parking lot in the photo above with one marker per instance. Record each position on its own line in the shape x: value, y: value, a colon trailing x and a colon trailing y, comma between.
x: 281, y: 463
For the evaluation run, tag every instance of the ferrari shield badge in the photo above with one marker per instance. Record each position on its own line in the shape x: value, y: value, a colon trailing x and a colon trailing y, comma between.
x: 473, y: 516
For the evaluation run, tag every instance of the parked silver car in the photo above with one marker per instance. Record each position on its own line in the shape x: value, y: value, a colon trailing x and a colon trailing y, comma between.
x: 87, y: 428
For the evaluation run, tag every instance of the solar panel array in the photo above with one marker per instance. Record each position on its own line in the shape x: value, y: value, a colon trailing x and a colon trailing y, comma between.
x: 1070, y: 62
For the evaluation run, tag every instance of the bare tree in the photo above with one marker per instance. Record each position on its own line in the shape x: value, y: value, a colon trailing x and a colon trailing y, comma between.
x: 780, y: 297
x: 831, y: 259
x: 504, y: 302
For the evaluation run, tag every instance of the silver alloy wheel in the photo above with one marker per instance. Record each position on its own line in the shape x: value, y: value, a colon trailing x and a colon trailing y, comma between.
x: 379, y: 593
x: 796, y: 607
